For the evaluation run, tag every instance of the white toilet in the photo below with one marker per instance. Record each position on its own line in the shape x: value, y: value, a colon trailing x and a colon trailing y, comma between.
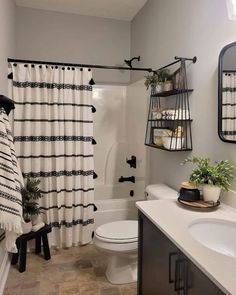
x: 119, y: 240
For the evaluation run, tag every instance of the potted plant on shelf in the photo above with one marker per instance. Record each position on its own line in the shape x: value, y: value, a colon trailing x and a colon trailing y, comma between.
x: 30, y: 194
x: 212, y: 177
x: 160, y: 80
x: 166, y: 79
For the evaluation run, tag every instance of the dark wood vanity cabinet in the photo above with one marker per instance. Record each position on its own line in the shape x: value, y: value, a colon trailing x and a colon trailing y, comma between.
x: 164, y: 270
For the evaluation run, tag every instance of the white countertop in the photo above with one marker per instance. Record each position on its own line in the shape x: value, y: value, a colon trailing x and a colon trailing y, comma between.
x: 173, y: 220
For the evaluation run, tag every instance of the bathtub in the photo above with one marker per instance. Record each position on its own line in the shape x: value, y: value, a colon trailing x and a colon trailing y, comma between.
x: 116, y: 206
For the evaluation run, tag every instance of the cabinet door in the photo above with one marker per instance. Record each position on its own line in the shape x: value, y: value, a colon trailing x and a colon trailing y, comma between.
x: 157, y: 259
x: 164, y: 270
x: 199, y: 283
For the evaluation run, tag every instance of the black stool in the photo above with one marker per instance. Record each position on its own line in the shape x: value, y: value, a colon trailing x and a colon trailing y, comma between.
x: 21, y: 244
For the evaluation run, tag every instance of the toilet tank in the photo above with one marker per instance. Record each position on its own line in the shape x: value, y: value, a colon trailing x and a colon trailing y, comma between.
x: 160, y: 191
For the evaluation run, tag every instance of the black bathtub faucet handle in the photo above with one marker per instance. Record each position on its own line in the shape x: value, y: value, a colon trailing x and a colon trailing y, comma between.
x: 132, y: 162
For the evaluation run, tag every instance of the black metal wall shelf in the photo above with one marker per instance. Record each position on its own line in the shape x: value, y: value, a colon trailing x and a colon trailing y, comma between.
x: 169, y: 121
x: 165, y: 149
x: 171, y: 92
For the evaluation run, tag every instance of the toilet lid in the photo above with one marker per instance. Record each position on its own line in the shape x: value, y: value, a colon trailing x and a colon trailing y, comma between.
x: 123, y: 231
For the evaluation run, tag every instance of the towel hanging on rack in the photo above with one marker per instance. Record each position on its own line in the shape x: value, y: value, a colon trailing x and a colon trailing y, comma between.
x: 10, y: 185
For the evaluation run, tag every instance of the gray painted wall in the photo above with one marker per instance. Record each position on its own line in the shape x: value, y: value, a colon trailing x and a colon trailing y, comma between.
x: 52, y: 36
x: 7, y: 41
x: 165, y: 28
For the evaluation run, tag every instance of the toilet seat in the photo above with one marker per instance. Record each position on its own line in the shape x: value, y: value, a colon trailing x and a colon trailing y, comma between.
x: 118, y: 232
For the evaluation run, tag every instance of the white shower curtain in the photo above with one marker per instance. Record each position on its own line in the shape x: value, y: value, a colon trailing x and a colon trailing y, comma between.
x: 53, y: 132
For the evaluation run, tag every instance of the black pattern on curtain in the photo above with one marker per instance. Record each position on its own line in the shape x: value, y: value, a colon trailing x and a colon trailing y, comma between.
x: 53, y: 133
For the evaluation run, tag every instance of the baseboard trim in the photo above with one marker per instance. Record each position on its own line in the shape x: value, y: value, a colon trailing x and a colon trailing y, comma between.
x: 4, y: 270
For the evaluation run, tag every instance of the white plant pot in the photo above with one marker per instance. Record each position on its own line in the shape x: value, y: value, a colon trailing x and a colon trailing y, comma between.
x: 211, y: 192
x: 26, y: 227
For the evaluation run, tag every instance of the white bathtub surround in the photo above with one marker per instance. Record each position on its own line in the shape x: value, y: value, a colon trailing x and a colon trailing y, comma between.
x: 53, y: 132
x: 176, y: 226
x: 119, y: 128
x: 115, y: 210
x: 119, y: 240
x: 211, y: 192
x: 10, y: 185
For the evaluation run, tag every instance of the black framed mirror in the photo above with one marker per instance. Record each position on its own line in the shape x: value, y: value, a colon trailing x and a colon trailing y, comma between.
x: 227, y: 93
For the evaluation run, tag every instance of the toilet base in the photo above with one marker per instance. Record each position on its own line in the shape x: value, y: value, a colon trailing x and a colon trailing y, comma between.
x: 122, y: 269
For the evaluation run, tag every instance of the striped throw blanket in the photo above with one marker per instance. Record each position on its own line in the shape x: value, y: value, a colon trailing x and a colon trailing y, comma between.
x: 2, y: 235
x: 10, y: 184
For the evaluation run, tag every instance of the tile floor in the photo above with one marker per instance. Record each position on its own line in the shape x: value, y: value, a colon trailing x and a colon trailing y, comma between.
x: 74, y: 271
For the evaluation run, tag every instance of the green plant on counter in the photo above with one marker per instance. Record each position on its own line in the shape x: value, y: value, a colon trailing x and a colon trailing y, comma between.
x: 219, y: 174
x: 30, y: 194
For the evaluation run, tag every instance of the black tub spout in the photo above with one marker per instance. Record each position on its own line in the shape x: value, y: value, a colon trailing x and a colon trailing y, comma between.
x: 124, y: 179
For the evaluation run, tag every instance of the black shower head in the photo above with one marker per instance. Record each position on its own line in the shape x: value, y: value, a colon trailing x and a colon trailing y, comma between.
x: 129, y: 61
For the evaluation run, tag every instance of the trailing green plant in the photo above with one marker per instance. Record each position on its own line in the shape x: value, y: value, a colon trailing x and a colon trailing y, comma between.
x: 157, y: 77
x: 30, y: 194
x: 219, y: 174
x: 151, y: 80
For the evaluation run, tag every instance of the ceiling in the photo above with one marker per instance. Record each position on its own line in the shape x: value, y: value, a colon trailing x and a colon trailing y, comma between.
x: 115, y: 9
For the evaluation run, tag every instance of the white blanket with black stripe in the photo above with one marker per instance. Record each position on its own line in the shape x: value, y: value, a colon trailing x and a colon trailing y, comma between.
x: 10, y: 184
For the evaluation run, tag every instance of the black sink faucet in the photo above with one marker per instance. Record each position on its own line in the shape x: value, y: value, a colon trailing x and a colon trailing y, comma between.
x: 123, y: 179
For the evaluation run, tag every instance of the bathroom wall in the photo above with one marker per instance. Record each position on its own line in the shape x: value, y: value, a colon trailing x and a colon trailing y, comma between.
x: 119, y: 128
x: 53, y: 36
x: 164, y: 29
x: 7, y: 38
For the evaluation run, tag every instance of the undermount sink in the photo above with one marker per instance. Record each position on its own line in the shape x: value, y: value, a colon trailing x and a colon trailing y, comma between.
x: 215, y: 234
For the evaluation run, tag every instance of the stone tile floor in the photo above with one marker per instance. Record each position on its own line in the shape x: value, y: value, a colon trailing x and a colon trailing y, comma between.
x: 74, y: 271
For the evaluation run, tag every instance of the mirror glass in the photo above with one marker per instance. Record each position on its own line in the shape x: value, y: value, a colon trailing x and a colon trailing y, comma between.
x: 227, y: 94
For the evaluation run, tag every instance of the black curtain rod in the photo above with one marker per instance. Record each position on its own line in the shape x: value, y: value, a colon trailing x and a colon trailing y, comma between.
x: 177, y: 59
x: 78, y: 65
